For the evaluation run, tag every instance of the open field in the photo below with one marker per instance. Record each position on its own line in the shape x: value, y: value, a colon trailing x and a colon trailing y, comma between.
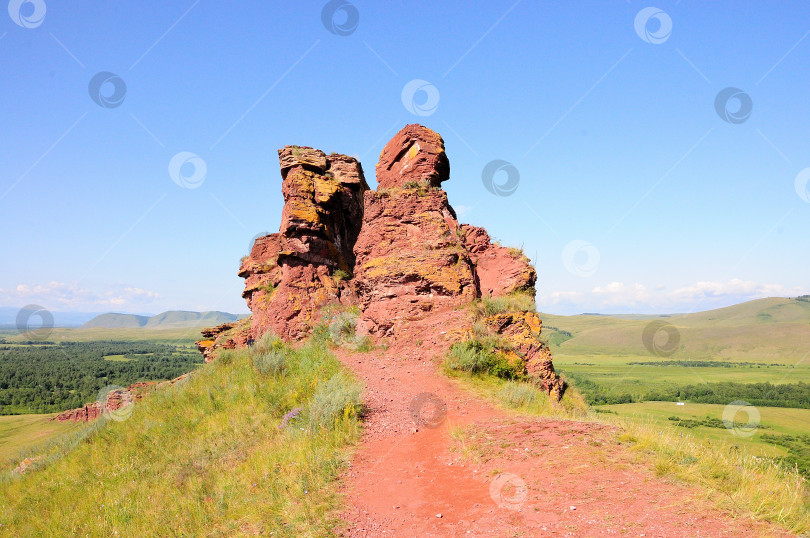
x: 619, y: 375
x: 177, y: 336
x: 772, y: 420
x: 762, y: 341
x: 19, y: 432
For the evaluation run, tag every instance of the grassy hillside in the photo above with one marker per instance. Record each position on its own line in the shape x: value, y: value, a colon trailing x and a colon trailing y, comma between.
x: 249, y: 444
x: 765, y: 330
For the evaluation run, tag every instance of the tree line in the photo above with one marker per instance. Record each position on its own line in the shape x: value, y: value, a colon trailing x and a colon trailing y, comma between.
x: 40, y: 378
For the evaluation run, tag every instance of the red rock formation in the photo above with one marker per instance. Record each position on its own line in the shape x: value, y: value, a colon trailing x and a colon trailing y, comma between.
x: 410, y: 258
x: 412, y: 262
x: 415, y: 154
x: 225, y: 336
x: 114, y: 400
x: 500, y: 270
x: 292, y: 274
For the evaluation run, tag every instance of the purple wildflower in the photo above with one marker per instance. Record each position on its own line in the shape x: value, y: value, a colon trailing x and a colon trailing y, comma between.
x: 288, y: 416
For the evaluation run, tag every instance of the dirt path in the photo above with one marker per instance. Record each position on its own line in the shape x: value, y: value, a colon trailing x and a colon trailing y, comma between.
x: 516, y: 477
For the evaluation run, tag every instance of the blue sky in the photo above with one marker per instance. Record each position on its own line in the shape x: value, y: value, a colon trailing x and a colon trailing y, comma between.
x: 634, y: 194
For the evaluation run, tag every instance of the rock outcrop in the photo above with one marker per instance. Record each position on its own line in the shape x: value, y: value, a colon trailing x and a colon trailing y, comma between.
x: 114, y: 400
x: 292, y: 274
x: 500, y: 270
x: 397, y: 254
x: 415, y: 155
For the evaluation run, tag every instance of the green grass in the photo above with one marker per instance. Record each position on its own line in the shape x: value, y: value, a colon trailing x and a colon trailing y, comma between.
x: 120, y: 358
x: 514, y: 302
x: 178, y: 336
x: 19, y: 432
x: 231, y: 451
x: 775, y: 420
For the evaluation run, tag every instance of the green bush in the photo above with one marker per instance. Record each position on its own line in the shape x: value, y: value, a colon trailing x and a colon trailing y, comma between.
x: 517, y: 394
x: 482, y: 357
x: 270, y: 362
x: 514, y: 302
x: 342, y: 327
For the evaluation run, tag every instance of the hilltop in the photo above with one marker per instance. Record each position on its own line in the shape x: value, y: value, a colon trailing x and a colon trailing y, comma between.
x: 393, y: 377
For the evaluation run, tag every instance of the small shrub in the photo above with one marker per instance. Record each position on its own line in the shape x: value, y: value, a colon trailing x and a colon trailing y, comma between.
x: 483, y: 357
x: 270, y: 362
x: 516, y: 395
x: 268, y: 341
x: 342, y: 327
x: 340, y: 275
x: 338, y: 397
x: 225, y: 356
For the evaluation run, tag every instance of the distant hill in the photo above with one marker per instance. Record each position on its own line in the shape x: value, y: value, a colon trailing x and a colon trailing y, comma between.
x: 776, y: 328
x: 167, y: 320
x: 8, y: 317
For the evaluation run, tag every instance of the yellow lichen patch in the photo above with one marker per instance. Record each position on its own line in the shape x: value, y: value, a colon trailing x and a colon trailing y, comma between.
x: 205, y: 343
x: 325, y: 189
x: 533, y: 321
x: 449, y: 278
x: 513, y: 359
x: 304, y: 211
x: 413, y: 151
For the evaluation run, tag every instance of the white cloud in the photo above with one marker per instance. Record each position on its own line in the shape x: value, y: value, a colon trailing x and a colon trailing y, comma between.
x: 463, y: 210
x: 70, y: 296
x: 618, y: 297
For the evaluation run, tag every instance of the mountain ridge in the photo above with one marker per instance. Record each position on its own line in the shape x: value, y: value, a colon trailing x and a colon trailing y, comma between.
x: 165, y: 320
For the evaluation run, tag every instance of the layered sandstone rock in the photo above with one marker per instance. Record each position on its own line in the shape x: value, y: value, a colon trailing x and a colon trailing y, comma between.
x: 398, y: 253
x: 292, y: 274
x: 500, y: 270
x: 115, y: 400
x: 520, y: 332
x: 410, y: 259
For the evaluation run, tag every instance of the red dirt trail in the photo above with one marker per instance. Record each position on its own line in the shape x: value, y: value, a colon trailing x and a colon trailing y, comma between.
x: 537, y: 477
